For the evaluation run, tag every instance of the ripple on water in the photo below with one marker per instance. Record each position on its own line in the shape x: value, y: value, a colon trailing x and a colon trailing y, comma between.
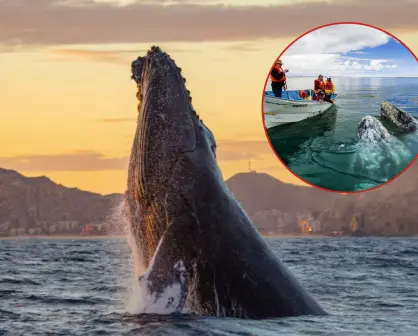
x: 368, y: 285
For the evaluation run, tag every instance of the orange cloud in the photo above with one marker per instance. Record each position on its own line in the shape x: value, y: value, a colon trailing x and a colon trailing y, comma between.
x: 76, y: 161
x: 116, y: 120
x: 93, y: 55
x: 50, y: 22
x: 228, y: 150
x: 123, y: 56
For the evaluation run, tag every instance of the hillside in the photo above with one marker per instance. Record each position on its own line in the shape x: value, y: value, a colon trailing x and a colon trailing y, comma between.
x: 389, y: 209
x: 38, y: 205
x: 37, y: 202
x: 259, y: 192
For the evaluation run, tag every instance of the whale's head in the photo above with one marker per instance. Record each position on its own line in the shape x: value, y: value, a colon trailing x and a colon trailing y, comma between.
x: 400, y: 118
x: 171, y: 152
x: 370, y: 129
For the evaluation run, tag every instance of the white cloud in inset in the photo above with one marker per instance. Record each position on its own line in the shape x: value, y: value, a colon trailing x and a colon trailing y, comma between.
x: 325, y: 51
x: 341, y: 38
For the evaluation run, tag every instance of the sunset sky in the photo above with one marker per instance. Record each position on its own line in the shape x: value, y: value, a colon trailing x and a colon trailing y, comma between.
x: 68, y: 106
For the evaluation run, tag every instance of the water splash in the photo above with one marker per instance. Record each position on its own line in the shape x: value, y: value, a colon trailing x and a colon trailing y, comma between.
x: 155, y: 292
x: 118, y: 221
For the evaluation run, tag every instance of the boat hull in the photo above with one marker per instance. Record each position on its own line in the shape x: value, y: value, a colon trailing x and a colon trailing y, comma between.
x: 278, y: 111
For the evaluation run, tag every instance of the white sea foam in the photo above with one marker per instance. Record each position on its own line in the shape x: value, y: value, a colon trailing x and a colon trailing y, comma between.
x: 166, y: 300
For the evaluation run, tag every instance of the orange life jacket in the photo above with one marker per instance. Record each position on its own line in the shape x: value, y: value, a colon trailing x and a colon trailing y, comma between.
x: 329, y: 86
x: 302, y: 94
x: 318, y: 85
x: 281, y: 80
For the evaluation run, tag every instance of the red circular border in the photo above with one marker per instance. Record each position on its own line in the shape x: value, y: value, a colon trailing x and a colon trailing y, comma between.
x: 262, y: 108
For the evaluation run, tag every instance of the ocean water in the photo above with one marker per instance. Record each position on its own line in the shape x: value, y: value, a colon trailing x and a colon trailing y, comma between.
x: 369, y: 286
x: 326, y: 152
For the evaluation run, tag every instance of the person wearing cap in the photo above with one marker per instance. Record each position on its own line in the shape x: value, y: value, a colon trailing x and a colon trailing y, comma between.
x: 329, y: 90
x: 278, y: 79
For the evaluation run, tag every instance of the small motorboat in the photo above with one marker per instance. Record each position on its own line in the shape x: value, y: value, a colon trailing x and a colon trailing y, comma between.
x: 291, y: 108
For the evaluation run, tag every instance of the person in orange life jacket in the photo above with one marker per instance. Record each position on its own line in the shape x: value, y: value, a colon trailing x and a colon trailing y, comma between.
x: 278, y: 79
x: 303, y: 95
x: 319, y: 88
x: 329, y: 90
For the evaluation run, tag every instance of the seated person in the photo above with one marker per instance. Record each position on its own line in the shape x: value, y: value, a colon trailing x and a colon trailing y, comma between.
x: 320, y: 96
x: 329, y: 90
x: 319, y: 85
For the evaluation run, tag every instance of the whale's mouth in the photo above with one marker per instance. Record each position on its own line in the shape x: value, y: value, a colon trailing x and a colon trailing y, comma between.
x: 136, y: 69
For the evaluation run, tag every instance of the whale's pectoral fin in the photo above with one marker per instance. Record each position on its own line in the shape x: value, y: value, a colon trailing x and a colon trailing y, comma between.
x: 164, y: 289
x: 165, y: 284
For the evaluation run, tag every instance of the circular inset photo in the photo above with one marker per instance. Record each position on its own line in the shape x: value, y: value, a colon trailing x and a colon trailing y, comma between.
x: 340, y: 106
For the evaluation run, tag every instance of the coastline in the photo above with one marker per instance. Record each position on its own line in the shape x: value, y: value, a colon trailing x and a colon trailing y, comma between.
x: 124, y: 236
x: 119, y: 236
x: 65, y: 237
x: 297, y: 235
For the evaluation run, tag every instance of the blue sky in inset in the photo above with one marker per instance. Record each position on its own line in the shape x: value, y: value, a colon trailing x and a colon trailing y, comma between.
x: 392, y: 49
x: 350, y: 50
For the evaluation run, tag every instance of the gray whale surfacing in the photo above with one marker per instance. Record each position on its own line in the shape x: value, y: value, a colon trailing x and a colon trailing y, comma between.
x: 370, y: 129
x: 202, y: 253
x: 400, y: 118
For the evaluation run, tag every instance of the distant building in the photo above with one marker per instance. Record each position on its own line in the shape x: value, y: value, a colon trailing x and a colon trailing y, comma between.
x: 354, y: 226
x: 273, y: 221
x: 94, y: 229
x: 306, y: 224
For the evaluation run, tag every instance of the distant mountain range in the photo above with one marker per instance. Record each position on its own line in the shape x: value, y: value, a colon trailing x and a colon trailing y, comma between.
x: 37, y: 205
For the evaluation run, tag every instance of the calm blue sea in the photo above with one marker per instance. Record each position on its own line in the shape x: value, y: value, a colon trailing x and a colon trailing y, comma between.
x: 369, y: 286
x: 326, y: 151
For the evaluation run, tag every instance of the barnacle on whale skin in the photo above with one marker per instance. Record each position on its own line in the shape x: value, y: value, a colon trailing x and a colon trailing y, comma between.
x: 156, y: 49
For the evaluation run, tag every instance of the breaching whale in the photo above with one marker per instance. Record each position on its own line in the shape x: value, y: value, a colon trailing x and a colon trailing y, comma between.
x: 370, y: 129
x: 400, y: 118
x: 201, y: 251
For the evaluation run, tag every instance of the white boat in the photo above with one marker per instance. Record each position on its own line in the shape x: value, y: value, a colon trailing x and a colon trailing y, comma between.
x: 290, y: 108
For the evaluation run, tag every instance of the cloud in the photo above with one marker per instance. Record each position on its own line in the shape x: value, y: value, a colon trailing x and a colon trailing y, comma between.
x: 51, y: 22
x: 341, y: 38
x: 326, y: 49
x: 112, y: 54
x: 231, y: 150
x: 76, y: 161
x: 92, y: 55
x: 116, y: 120
x: 337, y: 65
x: 87, y: 160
